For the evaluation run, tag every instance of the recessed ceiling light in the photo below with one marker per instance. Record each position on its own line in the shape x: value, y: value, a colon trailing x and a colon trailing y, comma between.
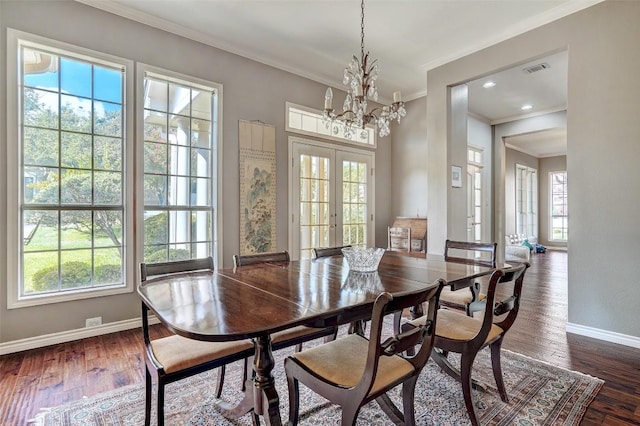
x: 526, y: 107
x: 489, y: 84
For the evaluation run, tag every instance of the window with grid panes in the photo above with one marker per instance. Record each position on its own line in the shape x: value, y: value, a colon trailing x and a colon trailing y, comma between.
x: 559, y: 208
x: 180, y: 136
x: 71, y: 194
x: 526, y: 201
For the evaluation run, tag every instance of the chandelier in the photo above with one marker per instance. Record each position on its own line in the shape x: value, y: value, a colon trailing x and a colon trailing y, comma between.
x: 360, y: 78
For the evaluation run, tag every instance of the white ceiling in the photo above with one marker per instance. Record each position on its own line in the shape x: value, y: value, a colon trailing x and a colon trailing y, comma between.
x: 316, y: 38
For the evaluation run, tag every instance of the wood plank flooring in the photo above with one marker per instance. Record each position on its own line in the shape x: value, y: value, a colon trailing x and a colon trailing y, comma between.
x: 57, y: 374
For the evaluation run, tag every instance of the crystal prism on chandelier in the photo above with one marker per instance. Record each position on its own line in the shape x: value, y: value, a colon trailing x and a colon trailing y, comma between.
x: 360, y: 78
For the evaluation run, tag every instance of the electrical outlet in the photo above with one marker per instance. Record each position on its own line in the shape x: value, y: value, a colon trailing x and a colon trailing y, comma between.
x: 92, y: 322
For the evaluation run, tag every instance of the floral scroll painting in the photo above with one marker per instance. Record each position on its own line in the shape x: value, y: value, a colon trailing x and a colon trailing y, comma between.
x: 257, y: 187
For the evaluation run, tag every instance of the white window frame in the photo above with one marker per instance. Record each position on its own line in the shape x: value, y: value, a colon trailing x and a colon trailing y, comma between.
x: 551, y: 215
x: 14, y: 241
x: 475, y: 162
x: 141, y: 71
x: 323, y: 132
x: 530, y: 202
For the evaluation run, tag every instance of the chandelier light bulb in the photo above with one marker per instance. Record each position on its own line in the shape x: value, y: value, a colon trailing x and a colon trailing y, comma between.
x: 328, y: 98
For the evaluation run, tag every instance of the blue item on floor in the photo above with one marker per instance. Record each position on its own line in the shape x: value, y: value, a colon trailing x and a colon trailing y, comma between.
x: 528, y: 245
x: 540, y: 248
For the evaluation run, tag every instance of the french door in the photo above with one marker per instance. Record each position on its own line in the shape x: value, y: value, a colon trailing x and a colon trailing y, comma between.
x: 330, y: 197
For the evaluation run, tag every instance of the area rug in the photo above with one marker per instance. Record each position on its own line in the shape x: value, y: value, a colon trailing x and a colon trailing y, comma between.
x: 540, y: 394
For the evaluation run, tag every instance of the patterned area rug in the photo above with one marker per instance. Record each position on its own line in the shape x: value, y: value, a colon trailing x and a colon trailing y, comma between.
x: 540, y: 394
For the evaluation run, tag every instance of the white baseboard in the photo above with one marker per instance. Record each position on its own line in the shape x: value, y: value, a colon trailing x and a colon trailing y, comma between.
x: 608, y: 336
x: 70, y: 335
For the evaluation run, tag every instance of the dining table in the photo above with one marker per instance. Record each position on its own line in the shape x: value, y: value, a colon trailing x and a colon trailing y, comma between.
x: 256, y: 301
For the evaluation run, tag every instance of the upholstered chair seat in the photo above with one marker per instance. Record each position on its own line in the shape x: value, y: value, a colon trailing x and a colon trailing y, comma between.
x: 177, y: 353
x: 336, y: 363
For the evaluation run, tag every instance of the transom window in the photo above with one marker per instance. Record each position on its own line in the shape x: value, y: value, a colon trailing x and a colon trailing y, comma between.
x: 308, y: 121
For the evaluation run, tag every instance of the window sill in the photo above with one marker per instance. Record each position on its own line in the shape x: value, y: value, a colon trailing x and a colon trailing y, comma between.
x: 48, y: 299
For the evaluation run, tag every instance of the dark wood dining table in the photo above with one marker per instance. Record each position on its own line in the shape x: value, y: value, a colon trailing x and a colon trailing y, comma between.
x: 258, y: 300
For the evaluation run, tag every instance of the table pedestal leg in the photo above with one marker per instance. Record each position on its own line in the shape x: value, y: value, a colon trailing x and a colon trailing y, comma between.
x: 260, y: 396
x: 266, y: 401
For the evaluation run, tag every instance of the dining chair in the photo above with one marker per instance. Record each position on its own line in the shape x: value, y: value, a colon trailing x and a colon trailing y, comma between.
x: 459, y: 333
x: 318, y: 252
x: 470, y: 253
x: 253, y: 259
x: 174, y: 357
x: 357, y: 326
x: 354, y: 370
x: 294, y: 336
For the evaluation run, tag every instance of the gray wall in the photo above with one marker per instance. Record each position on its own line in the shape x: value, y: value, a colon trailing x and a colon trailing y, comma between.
x: 548, y: 165
x: 409, y: 177
x: 252, y: 91
x: 602, y: 153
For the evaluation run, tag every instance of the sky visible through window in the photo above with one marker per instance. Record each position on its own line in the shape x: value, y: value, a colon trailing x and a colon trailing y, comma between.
x: 75, y: 78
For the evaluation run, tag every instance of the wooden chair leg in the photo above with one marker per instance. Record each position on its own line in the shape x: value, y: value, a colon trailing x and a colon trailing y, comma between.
x: 331, y: 337
x: 349, y: 415
x: 408, y: 397
x: 160, y: 403
x: 221, y: 373
x: 466, y: 362
x: 294, y: 400
x: 496, y: 366
x: 358, y: 327
x: 247, y: 365
x: 147, y: 397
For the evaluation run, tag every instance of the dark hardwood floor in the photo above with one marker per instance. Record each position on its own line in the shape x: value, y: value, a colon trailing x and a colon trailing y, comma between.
x: 57, y: 374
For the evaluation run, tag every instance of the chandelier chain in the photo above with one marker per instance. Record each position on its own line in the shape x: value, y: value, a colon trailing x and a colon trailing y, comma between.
x: 362, y: 29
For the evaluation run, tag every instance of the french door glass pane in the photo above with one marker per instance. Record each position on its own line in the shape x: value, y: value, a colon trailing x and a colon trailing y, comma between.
x: 314, y: 203
x: 354, y: 202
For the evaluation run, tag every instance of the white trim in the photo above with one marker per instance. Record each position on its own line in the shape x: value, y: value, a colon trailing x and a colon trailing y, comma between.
x: 14, y: 300
x: 608, y: 336
x: 529, y: 115
x: 70, y: 335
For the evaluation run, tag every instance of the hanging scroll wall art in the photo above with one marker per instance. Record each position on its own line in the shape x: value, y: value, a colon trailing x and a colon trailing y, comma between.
x: 257, y: 187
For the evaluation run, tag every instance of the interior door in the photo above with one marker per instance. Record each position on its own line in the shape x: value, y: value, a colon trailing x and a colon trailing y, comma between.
x: 330, y: 198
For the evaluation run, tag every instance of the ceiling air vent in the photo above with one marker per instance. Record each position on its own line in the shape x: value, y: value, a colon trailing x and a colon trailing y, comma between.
x: 536, y: 68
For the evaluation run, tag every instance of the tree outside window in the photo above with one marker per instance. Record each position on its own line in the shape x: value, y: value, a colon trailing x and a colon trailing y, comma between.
x: 72, y: 202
